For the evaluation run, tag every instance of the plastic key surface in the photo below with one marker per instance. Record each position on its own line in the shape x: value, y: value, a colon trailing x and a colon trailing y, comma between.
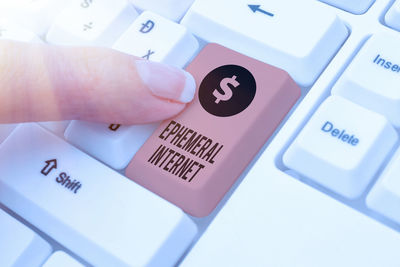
x: 385, y: 195
x: 98, y: 22
x: 275, y: 220
x: 275, y: 32
x: 5, y: 130
x: 342, y: 146
x: 355, y: 7
x: 56, y: 127
x: 392, y: 18
x: 12, y: 31
x: 171, y: 9
x: 113, y: 144
x: 372, y: 79
x: 61, y: 259
x: 19, y: 245
x: 193, y: 159
x: 35, y: 15
x: 155, y: 38
x: 90, y: 209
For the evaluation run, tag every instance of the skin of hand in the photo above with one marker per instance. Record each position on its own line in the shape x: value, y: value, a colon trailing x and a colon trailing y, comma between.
x: 40, y: 82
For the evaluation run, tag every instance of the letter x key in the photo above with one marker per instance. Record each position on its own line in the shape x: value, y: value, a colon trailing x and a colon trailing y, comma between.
x: 149, y: 53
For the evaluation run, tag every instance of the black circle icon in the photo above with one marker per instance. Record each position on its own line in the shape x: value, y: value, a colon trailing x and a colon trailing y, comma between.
x: 227, y: 90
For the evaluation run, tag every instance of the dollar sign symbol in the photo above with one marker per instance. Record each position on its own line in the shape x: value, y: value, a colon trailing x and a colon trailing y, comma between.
x: 227, y: 91
x: 86, y: 3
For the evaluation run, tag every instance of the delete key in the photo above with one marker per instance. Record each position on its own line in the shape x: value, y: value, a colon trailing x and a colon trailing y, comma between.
x: 193, y: 159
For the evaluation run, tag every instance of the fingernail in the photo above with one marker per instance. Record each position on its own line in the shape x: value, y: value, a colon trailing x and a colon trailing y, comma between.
x: 167, y: 81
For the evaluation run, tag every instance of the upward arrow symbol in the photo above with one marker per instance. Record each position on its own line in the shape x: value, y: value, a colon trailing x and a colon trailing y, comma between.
x: 50, y: 165
x: 256, y: 8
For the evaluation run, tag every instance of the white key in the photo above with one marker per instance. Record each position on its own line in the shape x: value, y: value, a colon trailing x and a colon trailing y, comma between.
x: 342, y: 146
x: 113, y: 144
x: 171, y: 9
x: 61, y: 259
x: 385, y: 195
x: 356, y: 7
x: 372, y: 79
x: 302, y: 43
x: 11, y: 31
x: 19, y: 245
x: 92, y: 210
x: 155, y: 38
x: 56, y: 127
x: 273, y: 220
x: 392, y: 18
x: 35, y: 15
x: 92, y: 22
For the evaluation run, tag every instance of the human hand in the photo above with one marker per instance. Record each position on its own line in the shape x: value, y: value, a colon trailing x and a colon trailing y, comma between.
x: 40, y: 82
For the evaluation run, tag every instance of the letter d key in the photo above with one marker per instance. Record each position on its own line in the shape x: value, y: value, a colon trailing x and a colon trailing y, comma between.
x: 147, y: 26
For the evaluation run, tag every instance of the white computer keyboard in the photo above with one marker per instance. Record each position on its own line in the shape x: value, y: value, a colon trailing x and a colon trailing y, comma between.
x: 324, y: 192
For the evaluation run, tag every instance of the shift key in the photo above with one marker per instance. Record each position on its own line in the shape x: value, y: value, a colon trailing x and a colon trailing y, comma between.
x: 193, y: 159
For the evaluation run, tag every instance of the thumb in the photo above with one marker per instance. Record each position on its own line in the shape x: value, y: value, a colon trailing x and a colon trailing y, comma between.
x: 39, y: 82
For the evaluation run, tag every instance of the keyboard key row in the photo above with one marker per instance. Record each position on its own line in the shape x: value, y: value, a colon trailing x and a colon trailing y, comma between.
x: 304, y: 54
x: 85, y: 206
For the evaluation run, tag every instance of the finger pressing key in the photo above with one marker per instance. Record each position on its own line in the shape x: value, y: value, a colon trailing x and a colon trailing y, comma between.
x: 193, y: 159
x: 47, y: 83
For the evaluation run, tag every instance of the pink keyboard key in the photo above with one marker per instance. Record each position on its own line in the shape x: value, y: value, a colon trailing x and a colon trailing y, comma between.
x: 193, y: 159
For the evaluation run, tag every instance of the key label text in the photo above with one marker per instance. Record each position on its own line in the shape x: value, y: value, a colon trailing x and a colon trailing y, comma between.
x: 342, y: 135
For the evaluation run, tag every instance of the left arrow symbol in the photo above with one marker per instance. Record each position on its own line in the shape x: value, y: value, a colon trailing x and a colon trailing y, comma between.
x: 50, y: 165
x: 257, y: 8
